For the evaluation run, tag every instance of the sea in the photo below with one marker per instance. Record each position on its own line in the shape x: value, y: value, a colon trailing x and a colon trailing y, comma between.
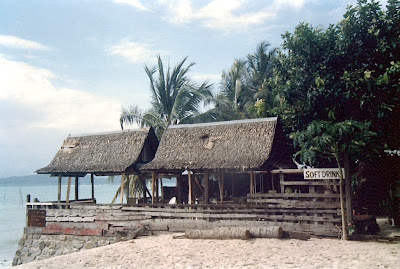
x: 13, y: 193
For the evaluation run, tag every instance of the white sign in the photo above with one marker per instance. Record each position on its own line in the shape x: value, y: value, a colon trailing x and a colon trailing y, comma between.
x: 322, y: 173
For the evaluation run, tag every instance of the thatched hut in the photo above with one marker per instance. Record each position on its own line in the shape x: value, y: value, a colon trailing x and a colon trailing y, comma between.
x: 221, y: 150
x: 102, y: 154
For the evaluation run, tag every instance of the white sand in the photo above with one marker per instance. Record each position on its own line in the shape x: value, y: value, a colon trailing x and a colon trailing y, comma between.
x: 165, y: 252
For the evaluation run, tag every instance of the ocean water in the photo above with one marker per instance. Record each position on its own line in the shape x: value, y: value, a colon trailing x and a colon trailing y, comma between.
x: 13, y: 208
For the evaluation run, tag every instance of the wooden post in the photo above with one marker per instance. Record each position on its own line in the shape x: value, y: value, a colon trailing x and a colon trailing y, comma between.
x: 272, y: 181
x: 76, y: 188
x: 179, y: 187
x: 59, y: 189
x: 347, y: 180
x: 127, y: 187
x: 251, y: 182
x: 157, y: 189
x: 144, y: 189
x: 122, y: 188
x: 281, y: 180
x: 222, y: 187
x: 92, y: 181
x: 153, y: 186
x: 232, y: 187
x: 206, y: 181
x: 162, y: 190
x: 190, y: 187
x: 68, y: 189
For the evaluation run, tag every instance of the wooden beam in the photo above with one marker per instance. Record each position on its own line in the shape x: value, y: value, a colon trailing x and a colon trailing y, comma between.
x: 347, y: 180
x: 59, y: 189
x: 288, y: 171
x: 127, y: 187
x: 206, y: 181
x: 68, y: 190
x: 153, y: 186
x: 92, y: 181
x: 190, y: 187
x: 76, y: 188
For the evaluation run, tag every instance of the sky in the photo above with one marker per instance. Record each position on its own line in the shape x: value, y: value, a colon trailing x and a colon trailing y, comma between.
x: 68, y: 67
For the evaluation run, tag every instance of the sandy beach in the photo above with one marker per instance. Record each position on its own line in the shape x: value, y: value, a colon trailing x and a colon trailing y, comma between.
x: 163, y: 251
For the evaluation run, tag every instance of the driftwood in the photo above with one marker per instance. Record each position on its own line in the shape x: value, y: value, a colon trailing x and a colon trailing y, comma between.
x: 138, y: 232
x: 260, y: 232
x: 219, y: 233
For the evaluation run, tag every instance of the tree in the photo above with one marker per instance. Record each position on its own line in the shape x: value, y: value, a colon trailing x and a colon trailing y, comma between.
x: 332, y: 141
x: 175, y: 98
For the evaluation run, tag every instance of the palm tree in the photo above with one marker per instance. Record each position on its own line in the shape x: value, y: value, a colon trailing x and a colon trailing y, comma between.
x: 175, y: 98
x: 235, y: 93
x: 135, y: 187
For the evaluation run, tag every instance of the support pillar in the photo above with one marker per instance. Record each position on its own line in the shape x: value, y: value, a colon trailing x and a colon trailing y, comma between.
x: 59, y: 189
x: 76, y: 188
x: 122, y: 188
x: 206, y: 181
x: 92, y: 181
x: 190, y: 187
x: 347, y: 180
x: 68, y: 190
x: 251, y: 182
x: 153, y: 186
x: 221, y: 186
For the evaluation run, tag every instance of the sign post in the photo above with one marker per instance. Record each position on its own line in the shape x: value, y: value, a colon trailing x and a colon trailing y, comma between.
x: 322, y: 173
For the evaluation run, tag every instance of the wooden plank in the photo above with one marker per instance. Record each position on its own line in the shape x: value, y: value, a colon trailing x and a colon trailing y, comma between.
x: 70, y: 219
x: 309, y: 183
x: 293, y: 195
x: 287, y: 171
x: 92, y: 183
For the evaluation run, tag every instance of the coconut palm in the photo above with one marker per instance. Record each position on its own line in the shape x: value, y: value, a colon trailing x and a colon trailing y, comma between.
x: 134, y: 189
x: 175, y: 98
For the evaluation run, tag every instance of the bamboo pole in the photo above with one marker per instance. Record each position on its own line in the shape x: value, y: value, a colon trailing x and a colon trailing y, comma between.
x: 190, y: 187
x: 153, y: 186
x: 206, y: 181
x: 68, y: 189
x: 59, y: 189
x: 122, y: 188
x: 76, y: 188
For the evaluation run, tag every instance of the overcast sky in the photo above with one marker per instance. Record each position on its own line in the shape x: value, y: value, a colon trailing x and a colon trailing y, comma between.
x: 67, y: 67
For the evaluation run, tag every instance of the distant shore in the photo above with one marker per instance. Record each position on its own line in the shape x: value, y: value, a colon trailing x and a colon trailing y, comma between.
x: 163, y: 251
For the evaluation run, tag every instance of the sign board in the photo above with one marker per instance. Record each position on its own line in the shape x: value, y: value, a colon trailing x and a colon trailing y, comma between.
x: 36, y: 218
x: 322, y: 173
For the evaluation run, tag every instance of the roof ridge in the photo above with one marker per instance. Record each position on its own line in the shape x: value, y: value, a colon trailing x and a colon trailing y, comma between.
x: 222, y: 123
x: 111, y: 132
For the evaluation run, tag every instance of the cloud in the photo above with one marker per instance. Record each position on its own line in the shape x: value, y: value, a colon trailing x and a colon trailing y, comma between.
x: 38, y: 103
x: 19, y: 43
x: 217, y: 14
x: 224, y: 15
x: 134, y: 3
x: 135, y: 52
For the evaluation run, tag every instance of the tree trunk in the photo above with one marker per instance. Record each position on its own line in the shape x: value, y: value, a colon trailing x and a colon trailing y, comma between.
x: 221, y: 233
x: 260, y: 232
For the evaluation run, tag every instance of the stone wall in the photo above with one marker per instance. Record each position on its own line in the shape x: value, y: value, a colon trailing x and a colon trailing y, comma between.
x: 33, y: 247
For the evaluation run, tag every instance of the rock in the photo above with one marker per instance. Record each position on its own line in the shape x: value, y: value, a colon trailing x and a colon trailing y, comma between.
x: 42, y: 245
x: 88, y: 245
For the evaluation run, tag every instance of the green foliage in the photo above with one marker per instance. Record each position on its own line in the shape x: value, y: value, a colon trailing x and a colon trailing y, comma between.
x: 175, y: 98
x: 330, y: 140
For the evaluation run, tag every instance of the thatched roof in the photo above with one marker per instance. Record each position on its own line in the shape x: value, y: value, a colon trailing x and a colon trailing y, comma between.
x: 103, y: 154
x: 243, y: 144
